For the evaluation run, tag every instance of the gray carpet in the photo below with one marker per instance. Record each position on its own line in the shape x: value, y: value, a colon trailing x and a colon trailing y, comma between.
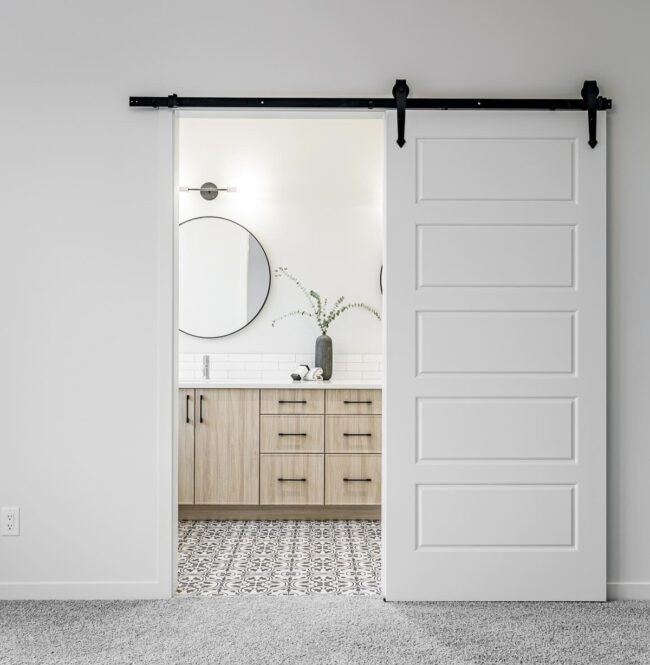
x: 322, y: 629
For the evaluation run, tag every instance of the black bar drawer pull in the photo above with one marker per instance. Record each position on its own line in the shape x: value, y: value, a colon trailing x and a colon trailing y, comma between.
x: 357, y: 480
x: 354, y: 434
x: 187, y: 408
x: 292, y: 434
x: 201, y: 409
x: 357, y: 401
x: 292, y: 480
x: 292, y: 401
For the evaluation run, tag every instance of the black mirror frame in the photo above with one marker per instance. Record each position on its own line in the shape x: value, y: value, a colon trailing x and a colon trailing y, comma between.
x: 268, y: 265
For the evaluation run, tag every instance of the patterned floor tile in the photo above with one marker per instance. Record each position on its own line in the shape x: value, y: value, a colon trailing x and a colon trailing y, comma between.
x: 292, y: 557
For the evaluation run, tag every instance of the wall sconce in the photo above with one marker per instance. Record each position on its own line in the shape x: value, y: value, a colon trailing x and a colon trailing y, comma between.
x: 208, y: 190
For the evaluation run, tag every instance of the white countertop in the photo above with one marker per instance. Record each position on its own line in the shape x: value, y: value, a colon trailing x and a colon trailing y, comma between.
x: 261, y: 383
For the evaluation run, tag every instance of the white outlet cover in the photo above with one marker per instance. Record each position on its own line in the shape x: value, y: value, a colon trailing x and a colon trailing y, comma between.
x: 10, y: 521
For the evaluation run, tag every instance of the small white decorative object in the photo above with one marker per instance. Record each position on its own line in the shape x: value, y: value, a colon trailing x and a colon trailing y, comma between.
x: 315, y: 374
x: 300, y: 372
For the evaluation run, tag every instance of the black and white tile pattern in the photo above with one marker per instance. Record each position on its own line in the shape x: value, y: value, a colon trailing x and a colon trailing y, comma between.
x: 229, y: 558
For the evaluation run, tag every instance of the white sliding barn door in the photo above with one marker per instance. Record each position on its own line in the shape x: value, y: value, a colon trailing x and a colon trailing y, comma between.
x: 494, y: 460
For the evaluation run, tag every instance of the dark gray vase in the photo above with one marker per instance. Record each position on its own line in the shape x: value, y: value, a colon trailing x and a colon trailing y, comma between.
x: 323, y: 357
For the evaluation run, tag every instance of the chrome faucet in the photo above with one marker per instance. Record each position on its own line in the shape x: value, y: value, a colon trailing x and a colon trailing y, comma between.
x: 206, y: 368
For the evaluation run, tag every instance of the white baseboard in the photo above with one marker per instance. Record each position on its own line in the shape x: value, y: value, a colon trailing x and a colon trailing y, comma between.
x: 84, y: 590
x: 628, y: 591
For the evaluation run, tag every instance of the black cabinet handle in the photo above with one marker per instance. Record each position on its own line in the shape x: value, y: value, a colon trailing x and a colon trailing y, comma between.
x: 357, y: 401
x: 292, y: 434
x: 354, y: 434
x: 292, y: 401
x: 292, y: 480
x: 357, y: 480
x: 187, y: 408
x: 201, y: 409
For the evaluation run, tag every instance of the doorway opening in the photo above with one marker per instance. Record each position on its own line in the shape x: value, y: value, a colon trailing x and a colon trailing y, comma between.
x: 280, y: 255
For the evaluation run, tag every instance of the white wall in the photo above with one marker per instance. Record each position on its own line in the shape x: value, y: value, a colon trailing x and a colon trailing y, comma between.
x: 78, y: 259
x: 311, y: 191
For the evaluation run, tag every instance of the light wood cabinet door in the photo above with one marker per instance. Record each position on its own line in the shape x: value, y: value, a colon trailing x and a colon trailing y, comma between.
x: 226, y: 446
x: 291, y: 479
x: 186, y: 447
x: 354, y: 402
x: 291, y: 434
x: 352, y: 480
x: 353, y: 434
x: 293, y: 400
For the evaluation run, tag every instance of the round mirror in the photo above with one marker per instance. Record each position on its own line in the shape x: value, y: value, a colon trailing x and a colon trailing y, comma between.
x: 224, y: 277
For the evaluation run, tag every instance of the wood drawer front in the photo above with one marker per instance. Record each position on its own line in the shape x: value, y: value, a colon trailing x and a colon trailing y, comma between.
x: 291, y: 479
x: 353, y: 434
x: 291, y: 434
x: 363, y: 484
x: 354, y: 402
x: 293, y: 401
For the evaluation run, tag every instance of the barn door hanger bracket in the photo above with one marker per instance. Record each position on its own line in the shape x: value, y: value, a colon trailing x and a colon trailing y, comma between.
x: 593, y: 103
x: 400, y: 92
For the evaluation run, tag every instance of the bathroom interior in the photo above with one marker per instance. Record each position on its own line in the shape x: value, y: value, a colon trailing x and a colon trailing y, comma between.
x: 280, y: 288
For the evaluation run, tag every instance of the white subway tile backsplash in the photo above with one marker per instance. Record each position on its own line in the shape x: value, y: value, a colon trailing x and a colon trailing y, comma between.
x: 287, y: 366
x: 229, y: 365
x: 243, y: 374
x: 275, y: 376
x: 273, y: 366
x: 356, y: 366
x: 366, y: 367
x: 373, y: 357
x: 353, y: 357
x: 346, y: 376
x: 219, y: 374
x: 280, y: 357
x: 262, y: 365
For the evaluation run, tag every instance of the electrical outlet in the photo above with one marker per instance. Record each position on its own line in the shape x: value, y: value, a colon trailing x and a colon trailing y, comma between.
x: 10, y: 521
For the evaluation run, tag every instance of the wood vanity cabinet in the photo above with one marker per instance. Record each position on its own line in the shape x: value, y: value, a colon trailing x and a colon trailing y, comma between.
x: 310, y: 448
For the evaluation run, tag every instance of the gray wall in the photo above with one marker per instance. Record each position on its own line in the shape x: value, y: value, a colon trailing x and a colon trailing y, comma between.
x: 78, y: 258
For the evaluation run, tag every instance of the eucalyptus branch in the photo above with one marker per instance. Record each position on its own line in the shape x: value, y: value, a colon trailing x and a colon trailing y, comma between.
x: 284, y: 272
x: 320, y: 313
x: 352, y: 305
x: 297, y: 312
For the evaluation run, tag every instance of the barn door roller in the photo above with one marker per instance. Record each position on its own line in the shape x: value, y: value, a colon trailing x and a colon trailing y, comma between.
x: 590, y: 101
